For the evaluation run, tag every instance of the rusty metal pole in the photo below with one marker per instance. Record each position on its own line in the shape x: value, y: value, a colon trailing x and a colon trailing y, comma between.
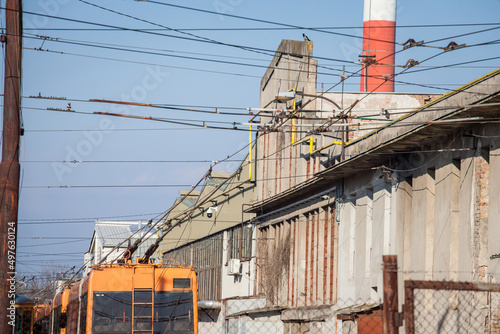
x: 390, y: 309
x: 9, y: 167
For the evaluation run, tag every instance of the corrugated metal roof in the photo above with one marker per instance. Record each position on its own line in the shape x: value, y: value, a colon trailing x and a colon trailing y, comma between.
x: 112, y: 235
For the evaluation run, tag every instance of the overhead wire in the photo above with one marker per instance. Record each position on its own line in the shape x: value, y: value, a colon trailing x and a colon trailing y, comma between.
x: 144, y: 63
x: 210, y: 71
x: 109, y: 186
x: 212, y: 110
x: 268, y: 52
x: 320, y: 73
x: 99, y: 24
x: 243, y: 47
x: 365, y: 95
x: 453, y: 65
x: 202, y: 124
x: 462, y: 35
x: 263, y: 21
x: 138, y: 241
x: 166, y: 213
x: 397, y: 26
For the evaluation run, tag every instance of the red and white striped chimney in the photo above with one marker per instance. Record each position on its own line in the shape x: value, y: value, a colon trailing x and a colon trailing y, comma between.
x: 379, y: 37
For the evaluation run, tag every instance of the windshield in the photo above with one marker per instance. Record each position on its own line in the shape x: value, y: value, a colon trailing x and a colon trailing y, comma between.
x: 172, y: 313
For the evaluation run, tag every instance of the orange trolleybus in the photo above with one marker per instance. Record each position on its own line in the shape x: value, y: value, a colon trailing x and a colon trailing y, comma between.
x: 42, y: 319
x: 58, y: 313
x: 137, y: 298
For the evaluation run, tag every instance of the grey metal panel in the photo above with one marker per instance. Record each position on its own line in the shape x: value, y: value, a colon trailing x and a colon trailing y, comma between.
x: 112, y: 234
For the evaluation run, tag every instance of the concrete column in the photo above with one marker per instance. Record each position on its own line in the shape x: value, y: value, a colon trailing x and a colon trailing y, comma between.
x: 346, y: 256
x: 360, y: 245
x: 407, y: 188
x: 441, y: 252
x: 301, y: 252
x: 422, y: 227
x: 466, y: 219
x: 429, y: 223
x: 380, y: 229
x: 455, y: 219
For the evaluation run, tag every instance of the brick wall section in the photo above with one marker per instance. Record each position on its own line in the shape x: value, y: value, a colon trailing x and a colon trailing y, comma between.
x: 480, y: 238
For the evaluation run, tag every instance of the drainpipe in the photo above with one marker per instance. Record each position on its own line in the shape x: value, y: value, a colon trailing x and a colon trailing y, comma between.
x: 209, y: 304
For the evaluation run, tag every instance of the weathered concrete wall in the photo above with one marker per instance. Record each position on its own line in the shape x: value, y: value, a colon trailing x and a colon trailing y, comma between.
x: 440, y: 218
x: 292, y: 68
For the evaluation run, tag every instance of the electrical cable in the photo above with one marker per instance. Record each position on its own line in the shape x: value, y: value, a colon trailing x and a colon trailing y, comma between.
x: 216, y: 110
x: 165, y: 35
x: 203, y: 124
x: 104, y: 46
x: 144, y: 63
x: 462, y: 35
x: 271, y: 29
x: 265, y: 21
x: 110, y: 186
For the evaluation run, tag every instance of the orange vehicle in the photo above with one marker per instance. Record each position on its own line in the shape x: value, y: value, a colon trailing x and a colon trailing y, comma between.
x: 58, y: 314
x: 42, y: 319
x: 134, y: 298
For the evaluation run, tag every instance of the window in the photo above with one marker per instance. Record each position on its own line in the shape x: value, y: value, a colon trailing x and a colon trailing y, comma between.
x: 112, y: 312
x: 240, y: 242
x: 182, y: 283
x: 83, y: 314
x: 173, y: 312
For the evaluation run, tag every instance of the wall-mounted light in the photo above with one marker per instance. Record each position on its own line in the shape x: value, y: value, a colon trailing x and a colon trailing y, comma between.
x: 285, y: 96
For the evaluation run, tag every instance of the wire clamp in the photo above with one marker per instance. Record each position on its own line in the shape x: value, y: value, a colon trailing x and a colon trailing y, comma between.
x: 411, y: 43
x: 453, y: 46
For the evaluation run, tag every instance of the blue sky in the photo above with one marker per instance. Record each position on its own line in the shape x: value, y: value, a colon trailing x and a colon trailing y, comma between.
x: 82, y: 72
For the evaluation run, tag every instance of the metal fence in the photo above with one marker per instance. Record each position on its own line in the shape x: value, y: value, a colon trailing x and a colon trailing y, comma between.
x: 429, y: 307
x: 452, y: 307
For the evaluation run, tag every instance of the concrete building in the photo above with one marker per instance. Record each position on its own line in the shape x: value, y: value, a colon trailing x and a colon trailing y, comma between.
x: 411, y: 175
x: 107, y: 241
x: 341, y: 179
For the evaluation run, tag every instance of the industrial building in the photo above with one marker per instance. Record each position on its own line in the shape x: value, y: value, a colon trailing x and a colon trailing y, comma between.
x: 340, y: 181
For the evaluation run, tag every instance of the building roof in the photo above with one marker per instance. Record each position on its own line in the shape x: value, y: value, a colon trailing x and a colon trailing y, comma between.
x: 111, y: 235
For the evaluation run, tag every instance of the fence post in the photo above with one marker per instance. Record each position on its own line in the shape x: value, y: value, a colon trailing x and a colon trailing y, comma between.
x: 390, y: 308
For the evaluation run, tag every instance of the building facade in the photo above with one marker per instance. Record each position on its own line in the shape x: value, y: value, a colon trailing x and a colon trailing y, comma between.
x: 342, y: 179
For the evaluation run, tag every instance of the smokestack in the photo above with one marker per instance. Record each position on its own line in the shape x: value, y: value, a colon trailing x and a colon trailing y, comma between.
x: 379, y: 37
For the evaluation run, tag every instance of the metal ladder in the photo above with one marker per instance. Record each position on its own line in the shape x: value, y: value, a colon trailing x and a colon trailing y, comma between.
x: 142, y: 303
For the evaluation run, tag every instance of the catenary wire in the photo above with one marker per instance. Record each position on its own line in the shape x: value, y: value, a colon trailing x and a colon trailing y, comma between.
x: 271, y: 28
x: 166, y: 35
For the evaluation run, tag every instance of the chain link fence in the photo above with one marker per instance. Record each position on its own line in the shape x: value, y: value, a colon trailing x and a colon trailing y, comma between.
x: 452, y: 307
x: 254, y: 315
x: 429, y: 307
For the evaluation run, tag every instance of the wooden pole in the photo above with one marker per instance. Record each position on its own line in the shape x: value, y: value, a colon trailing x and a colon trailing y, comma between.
x: 390, y: 308
x: 9, y: 167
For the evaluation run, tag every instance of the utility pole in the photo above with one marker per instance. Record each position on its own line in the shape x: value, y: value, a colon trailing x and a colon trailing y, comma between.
x: 9, y: 168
